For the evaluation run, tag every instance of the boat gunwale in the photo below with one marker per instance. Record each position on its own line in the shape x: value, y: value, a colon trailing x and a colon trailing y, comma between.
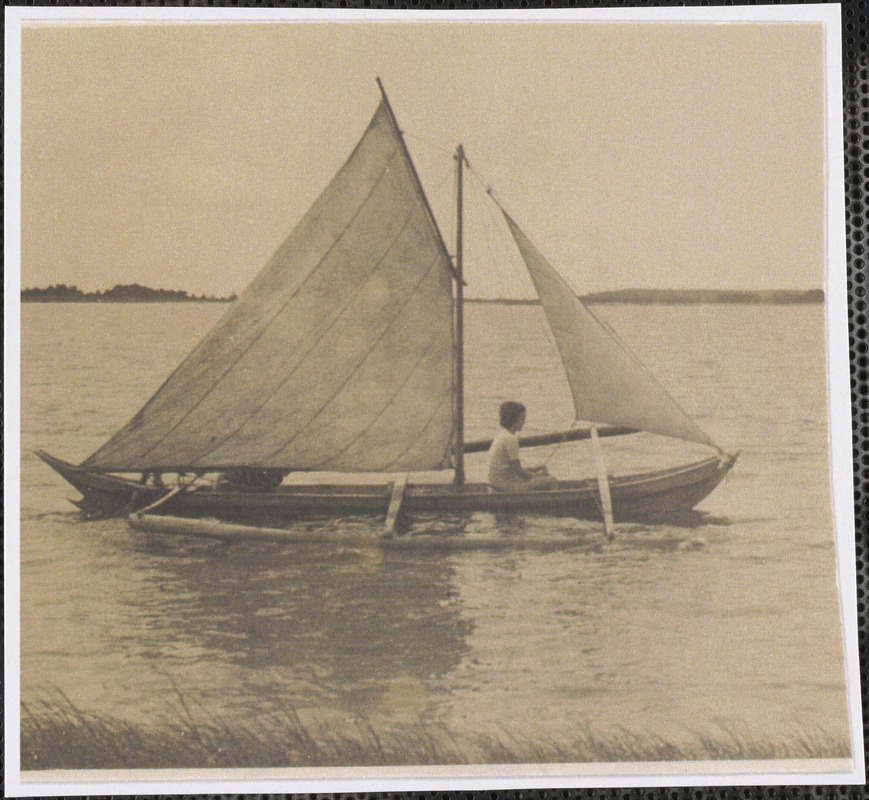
x: 364, y: 490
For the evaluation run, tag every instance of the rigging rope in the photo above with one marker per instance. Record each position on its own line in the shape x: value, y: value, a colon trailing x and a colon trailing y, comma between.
x: 428, y: 143
x: 436, y: 195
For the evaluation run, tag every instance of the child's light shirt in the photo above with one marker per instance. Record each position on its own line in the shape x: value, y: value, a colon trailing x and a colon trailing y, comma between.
x: 504, y: 450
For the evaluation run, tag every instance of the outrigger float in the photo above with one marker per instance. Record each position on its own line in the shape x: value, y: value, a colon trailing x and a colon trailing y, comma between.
x: 346, y: 355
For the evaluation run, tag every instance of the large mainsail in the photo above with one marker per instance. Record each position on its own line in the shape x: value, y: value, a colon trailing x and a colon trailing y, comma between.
x: 339, y: 355
x: 608, y: 384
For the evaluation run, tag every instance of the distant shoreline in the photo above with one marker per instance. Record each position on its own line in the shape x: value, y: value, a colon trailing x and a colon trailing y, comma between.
x: 666, y: 297
x: 134, y: 293
x: 121, y: 293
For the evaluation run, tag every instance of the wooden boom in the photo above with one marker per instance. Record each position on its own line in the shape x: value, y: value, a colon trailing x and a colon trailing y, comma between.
x: 542, y: 439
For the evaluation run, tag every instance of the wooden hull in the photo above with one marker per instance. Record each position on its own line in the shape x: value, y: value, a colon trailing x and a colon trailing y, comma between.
x: 644, y: 496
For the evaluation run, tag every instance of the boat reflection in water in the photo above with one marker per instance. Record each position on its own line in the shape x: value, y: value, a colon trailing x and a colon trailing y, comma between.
x: 356, y: 630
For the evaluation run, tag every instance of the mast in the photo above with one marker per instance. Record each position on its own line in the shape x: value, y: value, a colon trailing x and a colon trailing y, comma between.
x: 460, y: 327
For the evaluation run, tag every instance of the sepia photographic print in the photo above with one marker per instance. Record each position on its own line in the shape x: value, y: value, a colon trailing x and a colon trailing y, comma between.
x: 426, y: 401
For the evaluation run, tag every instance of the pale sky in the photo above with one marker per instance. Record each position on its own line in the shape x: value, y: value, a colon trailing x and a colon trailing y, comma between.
x: 652, y: 155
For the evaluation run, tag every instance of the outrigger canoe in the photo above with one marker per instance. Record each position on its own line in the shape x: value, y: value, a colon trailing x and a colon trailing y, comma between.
x: 346, y: 355
x: 644, y: 496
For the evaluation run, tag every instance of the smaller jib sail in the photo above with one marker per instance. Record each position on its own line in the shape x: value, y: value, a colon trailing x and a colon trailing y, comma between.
x: 339, y: 355
x: 609, y: 385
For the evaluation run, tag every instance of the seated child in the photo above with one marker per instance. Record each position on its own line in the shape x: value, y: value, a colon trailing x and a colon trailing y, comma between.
x: 506, y: 473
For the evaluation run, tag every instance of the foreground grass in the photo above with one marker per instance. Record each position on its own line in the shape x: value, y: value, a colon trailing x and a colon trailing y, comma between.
x: 57, y: 735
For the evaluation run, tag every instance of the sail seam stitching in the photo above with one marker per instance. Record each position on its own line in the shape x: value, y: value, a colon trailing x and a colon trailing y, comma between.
x: 165, y: 383
x: 331, y: 325
x: 139, y: 414
x: 420, y: 434
x: 364, y: 358
x: 276, y: 314
x: 432, y: 341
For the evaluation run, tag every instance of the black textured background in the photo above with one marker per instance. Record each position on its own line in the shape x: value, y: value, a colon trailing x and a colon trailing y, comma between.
x: 855, y: 56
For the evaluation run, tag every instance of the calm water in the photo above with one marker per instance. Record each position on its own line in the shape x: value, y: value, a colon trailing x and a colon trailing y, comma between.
x: 731, y: 625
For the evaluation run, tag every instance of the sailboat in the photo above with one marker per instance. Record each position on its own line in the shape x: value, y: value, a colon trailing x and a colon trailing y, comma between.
x: 346, y: 355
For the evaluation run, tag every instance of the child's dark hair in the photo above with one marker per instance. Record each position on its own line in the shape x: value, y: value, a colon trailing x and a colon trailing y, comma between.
x: 510, y: 413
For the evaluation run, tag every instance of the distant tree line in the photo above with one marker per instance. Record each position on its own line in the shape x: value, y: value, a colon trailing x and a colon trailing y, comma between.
x: 120, y: 293
x: 135, y: 293
x: 666, y: 297
x: 690, y: 296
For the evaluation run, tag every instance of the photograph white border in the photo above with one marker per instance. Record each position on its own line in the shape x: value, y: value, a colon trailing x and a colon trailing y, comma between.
x: 353, y: 779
